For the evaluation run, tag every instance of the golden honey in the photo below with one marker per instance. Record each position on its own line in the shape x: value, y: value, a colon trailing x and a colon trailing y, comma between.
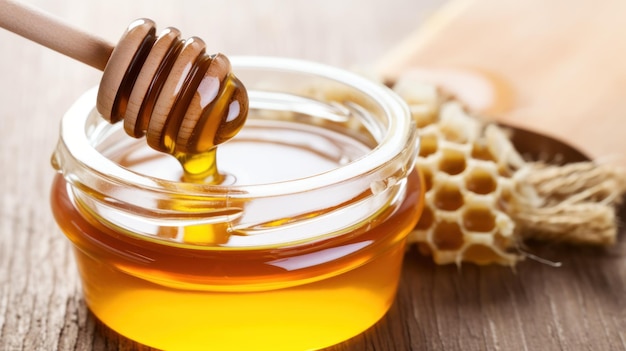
x: 298, y: 248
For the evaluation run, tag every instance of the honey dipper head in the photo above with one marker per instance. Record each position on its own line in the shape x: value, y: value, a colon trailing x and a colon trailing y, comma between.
x: 170, y: 90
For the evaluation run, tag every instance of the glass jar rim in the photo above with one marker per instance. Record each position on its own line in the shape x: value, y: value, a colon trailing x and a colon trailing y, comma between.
x: 399, y: 132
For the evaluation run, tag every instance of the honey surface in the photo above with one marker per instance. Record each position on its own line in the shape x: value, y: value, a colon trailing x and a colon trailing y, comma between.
x: 299, y: 297
x: 263, y: 152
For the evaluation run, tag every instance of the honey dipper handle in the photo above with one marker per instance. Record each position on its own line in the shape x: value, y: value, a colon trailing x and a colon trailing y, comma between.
x: 40, y: 27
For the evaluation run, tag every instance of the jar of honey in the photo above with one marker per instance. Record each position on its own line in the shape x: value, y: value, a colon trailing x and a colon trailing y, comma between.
x: 298, y: 247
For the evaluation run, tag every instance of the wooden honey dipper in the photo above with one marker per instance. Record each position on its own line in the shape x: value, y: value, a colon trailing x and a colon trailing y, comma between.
x: 183, y: 100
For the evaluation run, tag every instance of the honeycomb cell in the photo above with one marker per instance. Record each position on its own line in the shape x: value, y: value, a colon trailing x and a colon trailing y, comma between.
x: 502, y: 241
x: 426, y: 219
x: 481, y: 182
x: 448, y: 236
x: 448, y: 197
x: 423, y: 118
x: 428, y: 178
x: 452, y: 162
x: 452, y: 134
x: 428, y: 145
x: 479, y: 219
x: 505, y: 171
x: 480, y: 151
x: 505, y: 198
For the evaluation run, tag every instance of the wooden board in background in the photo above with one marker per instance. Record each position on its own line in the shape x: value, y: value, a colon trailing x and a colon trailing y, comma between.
x: 558, y: 66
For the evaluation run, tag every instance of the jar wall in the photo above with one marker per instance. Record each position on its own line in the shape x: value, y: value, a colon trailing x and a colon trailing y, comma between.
x: 297, y: 264
x: 189, y: 305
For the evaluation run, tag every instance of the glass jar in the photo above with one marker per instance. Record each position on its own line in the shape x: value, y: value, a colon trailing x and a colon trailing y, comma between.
x: 299, y: 248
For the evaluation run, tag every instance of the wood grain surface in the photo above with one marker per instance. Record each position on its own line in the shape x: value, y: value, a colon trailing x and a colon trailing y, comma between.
x: 578, y: 306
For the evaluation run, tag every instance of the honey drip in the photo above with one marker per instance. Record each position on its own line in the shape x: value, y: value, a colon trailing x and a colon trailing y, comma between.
x: 200, y: 168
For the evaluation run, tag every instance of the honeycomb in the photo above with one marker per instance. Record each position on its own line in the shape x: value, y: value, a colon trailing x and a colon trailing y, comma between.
x: 482, y: 199
x: 467, y: 166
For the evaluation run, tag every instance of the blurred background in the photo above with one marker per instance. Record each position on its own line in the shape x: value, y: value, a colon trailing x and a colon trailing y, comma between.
x: 342, y: 33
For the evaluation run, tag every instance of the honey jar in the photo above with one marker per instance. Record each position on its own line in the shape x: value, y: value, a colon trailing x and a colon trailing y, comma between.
x: 299, y: 245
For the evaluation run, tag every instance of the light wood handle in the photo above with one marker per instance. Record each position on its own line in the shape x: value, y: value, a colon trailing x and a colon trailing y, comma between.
x: 49, y: 31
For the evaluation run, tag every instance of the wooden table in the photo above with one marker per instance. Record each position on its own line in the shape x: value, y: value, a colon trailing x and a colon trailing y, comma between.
x: 579, y: 306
